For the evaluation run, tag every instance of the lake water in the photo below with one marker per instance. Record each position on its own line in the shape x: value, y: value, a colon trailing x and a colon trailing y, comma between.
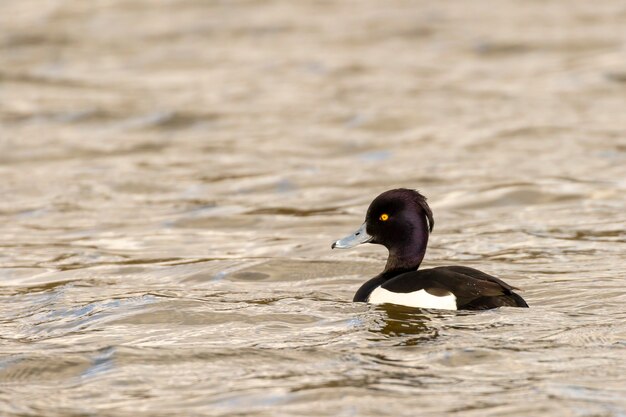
x: 173, y: 173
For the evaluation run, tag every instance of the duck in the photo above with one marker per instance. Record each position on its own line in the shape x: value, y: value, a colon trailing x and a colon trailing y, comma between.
x: 401, y: 220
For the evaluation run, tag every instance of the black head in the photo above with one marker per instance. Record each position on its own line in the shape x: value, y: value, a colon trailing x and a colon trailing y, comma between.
x: 395, y: 217
x: 400, y: 220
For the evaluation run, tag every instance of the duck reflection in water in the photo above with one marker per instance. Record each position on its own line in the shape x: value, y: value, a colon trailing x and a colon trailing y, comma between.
x: 406, y: 324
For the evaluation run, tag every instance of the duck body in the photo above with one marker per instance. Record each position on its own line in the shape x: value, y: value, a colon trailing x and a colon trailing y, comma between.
x: 444, y: 287
x: 401, y: 220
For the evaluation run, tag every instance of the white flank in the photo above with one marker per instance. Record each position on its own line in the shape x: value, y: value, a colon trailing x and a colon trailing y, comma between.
x: 419, y: 299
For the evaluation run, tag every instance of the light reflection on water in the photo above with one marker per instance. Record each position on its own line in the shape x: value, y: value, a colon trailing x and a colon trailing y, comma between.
x: 175, y: 171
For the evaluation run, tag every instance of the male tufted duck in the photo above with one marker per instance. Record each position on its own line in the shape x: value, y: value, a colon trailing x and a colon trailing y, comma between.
x: 401, y: 220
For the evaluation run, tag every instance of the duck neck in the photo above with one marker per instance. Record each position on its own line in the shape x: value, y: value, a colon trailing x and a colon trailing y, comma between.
x: 408, y: 255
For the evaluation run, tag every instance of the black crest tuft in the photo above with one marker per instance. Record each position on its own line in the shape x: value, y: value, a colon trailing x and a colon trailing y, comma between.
x: 420, y: 200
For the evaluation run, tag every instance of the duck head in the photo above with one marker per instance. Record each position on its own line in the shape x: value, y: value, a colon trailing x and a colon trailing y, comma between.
x: 400, y: 220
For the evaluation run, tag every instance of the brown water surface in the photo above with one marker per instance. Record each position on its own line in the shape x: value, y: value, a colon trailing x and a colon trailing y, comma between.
x: 174, y: 171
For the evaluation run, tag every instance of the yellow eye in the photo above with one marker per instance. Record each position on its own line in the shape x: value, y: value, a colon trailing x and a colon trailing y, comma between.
x: 384, y: 217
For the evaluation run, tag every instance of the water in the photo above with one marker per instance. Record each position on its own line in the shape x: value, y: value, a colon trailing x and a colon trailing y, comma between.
x: 174, y: 172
